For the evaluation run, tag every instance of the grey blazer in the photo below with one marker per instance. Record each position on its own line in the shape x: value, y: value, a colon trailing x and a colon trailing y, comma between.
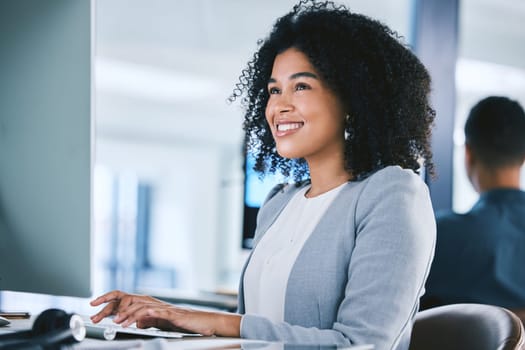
x: 360, y: 274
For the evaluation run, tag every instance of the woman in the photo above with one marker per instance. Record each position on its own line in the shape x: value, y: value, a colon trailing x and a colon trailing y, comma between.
x: 337, y: 104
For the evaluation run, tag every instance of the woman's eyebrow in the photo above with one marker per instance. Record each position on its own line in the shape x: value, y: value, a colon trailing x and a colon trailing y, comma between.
x: 296, y: 75
x: 303, y: 74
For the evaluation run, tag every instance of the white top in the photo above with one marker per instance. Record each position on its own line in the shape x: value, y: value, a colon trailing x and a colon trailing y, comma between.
x: 266, y: 275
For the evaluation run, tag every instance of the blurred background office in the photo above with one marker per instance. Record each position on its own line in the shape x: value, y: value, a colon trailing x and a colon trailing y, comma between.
x: 169, y: 178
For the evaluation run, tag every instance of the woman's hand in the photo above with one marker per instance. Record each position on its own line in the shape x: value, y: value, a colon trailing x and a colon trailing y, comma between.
x: 117, y: 302
x: 150, y: 312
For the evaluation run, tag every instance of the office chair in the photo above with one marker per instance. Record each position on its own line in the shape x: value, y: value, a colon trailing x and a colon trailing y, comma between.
x: 467, y: 326
x: 520, y: 313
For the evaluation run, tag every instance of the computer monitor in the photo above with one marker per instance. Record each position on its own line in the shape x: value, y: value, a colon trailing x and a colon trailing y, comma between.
x: 46, y: 147
x: 256, y: 190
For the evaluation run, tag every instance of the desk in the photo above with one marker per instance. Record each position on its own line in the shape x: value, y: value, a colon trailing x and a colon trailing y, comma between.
x: 201, y: 343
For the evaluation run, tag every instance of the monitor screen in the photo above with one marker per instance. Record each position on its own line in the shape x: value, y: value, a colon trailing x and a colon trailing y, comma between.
x: 255, y: 191
x: 45, y: 147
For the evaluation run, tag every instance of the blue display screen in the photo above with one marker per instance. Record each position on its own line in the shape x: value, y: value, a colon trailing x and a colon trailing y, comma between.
x: 255, y: 192
x: 257, y: 189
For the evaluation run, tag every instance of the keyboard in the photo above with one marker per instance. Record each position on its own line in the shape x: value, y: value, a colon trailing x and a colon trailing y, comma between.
x: 108, y: 330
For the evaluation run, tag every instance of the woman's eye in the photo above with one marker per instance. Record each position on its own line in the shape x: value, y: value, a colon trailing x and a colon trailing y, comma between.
x: 273, y: 90
x: 301, y: 86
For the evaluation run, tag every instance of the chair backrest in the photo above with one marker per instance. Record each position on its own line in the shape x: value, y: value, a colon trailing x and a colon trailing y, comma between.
x: 520, y: 312
x: 467, y: 326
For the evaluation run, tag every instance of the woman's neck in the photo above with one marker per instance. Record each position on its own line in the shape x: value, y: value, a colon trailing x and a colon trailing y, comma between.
x: 327, y: 176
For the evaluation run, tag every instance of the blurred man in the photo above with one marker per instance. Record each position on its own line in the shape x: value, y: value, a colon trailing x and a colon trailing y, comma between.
x: 480, y: 255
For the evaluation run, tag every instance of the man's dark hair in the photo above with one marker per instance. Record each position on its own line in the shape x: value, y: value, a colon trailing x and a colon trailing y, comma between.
x: 495, y: 132
x: 382, y: 85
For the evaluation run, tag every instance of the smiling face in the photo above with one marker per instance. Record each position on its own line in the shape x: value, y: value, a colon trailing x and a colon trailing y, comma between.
x: 305, y: 116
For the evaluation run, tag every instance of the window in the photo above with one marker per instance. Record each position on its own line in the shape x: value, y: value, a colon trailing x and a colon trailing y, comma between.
x: 490, y: 63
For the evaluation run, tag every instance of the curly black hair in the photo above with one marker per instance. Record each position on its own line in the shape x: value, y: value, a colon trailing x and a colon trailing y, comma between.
x: 383, y: 87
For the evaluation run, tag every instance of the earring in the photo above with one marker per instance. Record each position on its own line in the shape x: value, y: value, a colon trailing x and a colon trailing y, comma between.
x: 347, y: 119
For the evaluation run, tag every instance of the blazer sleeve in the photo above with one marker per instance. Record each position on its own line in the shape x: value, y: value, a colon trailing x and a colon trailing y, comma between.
x: 394, y: 243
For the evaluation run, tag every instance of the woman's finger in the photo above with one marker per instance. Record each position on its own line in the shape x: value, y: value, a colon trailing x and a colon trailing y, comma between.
x: 131, y: 314
x: 106, y: 298
x: 108, y: 310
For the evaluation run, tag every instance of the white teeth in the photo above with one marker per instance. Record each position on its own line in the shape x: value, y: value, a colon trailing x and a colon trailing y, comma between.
x: 288, y: 126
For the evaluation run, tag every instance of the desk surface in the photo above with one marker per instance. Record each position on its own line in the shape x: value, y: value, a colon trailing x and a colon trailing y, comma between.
x: 202, y: 343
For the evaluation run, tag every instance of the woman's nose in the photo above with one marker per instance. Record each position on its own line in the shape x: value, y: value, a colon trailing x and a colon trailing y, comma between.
x: 283, y: 104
